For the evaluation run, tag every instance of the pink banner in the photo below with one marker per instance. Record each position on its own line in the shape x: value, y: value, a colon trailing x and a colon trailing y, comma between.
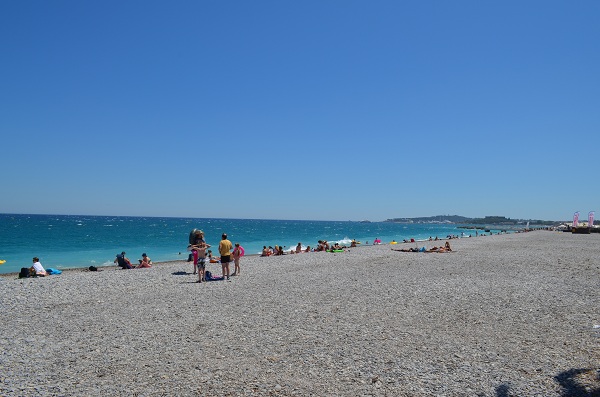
x: 575, y: 219
x: 591, y: 219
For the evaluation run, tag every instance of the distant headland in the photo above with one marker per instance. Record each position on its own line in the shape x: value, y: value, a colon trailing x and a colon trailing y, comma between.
x: 488, y: 220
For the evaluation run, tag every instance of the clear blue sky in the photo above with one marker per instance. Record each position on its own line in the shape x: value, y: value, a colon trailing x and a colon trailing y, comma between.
x: 333, y: 110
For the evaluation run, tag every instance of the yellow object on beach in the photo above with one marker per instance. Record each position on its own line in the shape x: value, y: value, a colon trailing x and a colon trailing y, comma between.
x: 2, y: 262
x: 394, y: 242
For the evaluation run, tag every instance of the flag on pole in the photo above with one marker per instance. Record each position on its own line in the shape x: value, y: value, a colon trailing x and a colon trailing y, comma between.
x: 575, y: 218
x: 591, y: 219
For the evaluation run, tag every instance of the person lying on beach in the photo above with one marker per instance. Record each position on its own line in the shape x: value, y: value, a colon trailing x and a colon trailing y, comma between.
x: 406, y: 250
x: 445, y: 248
x: 212, y: 259
x: 307, y: 248
x: 37, y: 269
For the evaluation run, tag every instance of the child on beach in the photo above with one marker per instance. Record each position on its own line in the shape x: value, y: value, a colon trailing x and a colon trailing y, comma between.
x: 200, y: 261
x: 237, y: 254
x: 199, y: 254
x: 198, y: 248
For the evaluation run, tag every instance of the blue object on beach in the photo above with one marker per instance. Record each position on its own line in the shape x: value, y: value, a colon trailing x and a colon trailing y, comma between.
x: 422, y: 249
x: 53, y: 271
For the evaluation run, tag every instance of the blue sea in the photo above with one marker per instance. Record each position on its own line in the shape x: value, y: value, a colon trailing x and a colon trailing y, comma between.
x: 69, y: 241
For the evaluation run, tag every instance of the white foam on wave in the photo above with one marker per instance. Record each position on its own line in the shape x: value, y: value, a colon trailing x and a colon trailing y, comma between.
x: 344, y: 241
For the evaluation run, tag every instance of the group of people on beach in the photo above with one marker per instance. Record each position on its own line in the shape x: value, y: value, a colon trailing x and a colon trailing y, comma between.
x: 227, y: 251
x: 200, y: 254
x: 445, y: 248
x: 37, y: 270
x: 322, y: 245
x: 123, y: 262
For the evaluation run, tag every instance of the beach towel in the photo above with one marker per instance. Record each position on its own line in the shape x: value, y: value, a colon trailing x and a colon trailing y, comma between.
x: 51, y: 270
x: 209, y: 277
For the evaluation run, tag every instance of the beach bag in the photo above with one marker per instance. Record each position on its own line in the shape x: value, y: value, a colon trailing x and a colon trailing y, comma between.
x: 24, y: 272
x: 208, y: 275
x: 93, y: 269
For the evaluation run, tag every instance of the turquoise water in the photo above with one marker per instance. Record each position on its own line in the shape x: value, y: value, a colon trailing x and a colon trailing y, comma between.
x: 66, y: 241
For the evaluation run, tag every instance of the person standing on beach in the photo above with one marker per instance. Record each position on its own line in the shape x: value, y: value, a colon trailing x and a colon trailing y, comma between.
x: 198, y: 248
x: 225, y: 251
x: 200, y: 259
x: 237, y: 254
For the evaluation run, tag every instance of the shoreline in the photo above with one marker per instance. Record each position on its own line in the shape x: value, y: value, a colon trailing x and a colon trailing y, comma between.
x: 511, y: 314
x: 95, y: 240
x: 360, y: 245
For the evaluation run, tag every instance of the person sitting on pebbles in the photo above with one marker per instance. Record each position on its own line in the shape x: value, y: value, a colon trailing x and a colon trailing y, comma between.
x: 123, y: 261
x: 37, y: 269
x: 145, y: 261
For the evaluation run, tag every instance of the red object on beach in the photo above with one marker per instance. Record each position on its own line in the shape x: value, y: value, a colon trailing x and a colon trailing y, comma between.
x: 242, y: 252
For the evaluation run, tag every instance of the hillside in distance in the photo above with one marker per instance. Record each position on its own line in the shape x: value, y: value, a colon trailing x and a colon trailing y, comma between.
x: 488, y: 220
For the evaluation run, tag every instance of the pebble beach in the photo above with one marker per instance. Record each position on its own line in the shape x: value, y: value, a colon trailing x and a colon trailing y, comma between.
x: 502, y: 315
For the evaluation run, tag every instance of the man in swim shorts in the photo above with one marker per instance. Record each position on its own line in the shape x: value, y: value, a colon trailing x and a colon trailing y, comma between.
x: 199, y: 254
x: 225, y: 251
x: 201, y: 262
